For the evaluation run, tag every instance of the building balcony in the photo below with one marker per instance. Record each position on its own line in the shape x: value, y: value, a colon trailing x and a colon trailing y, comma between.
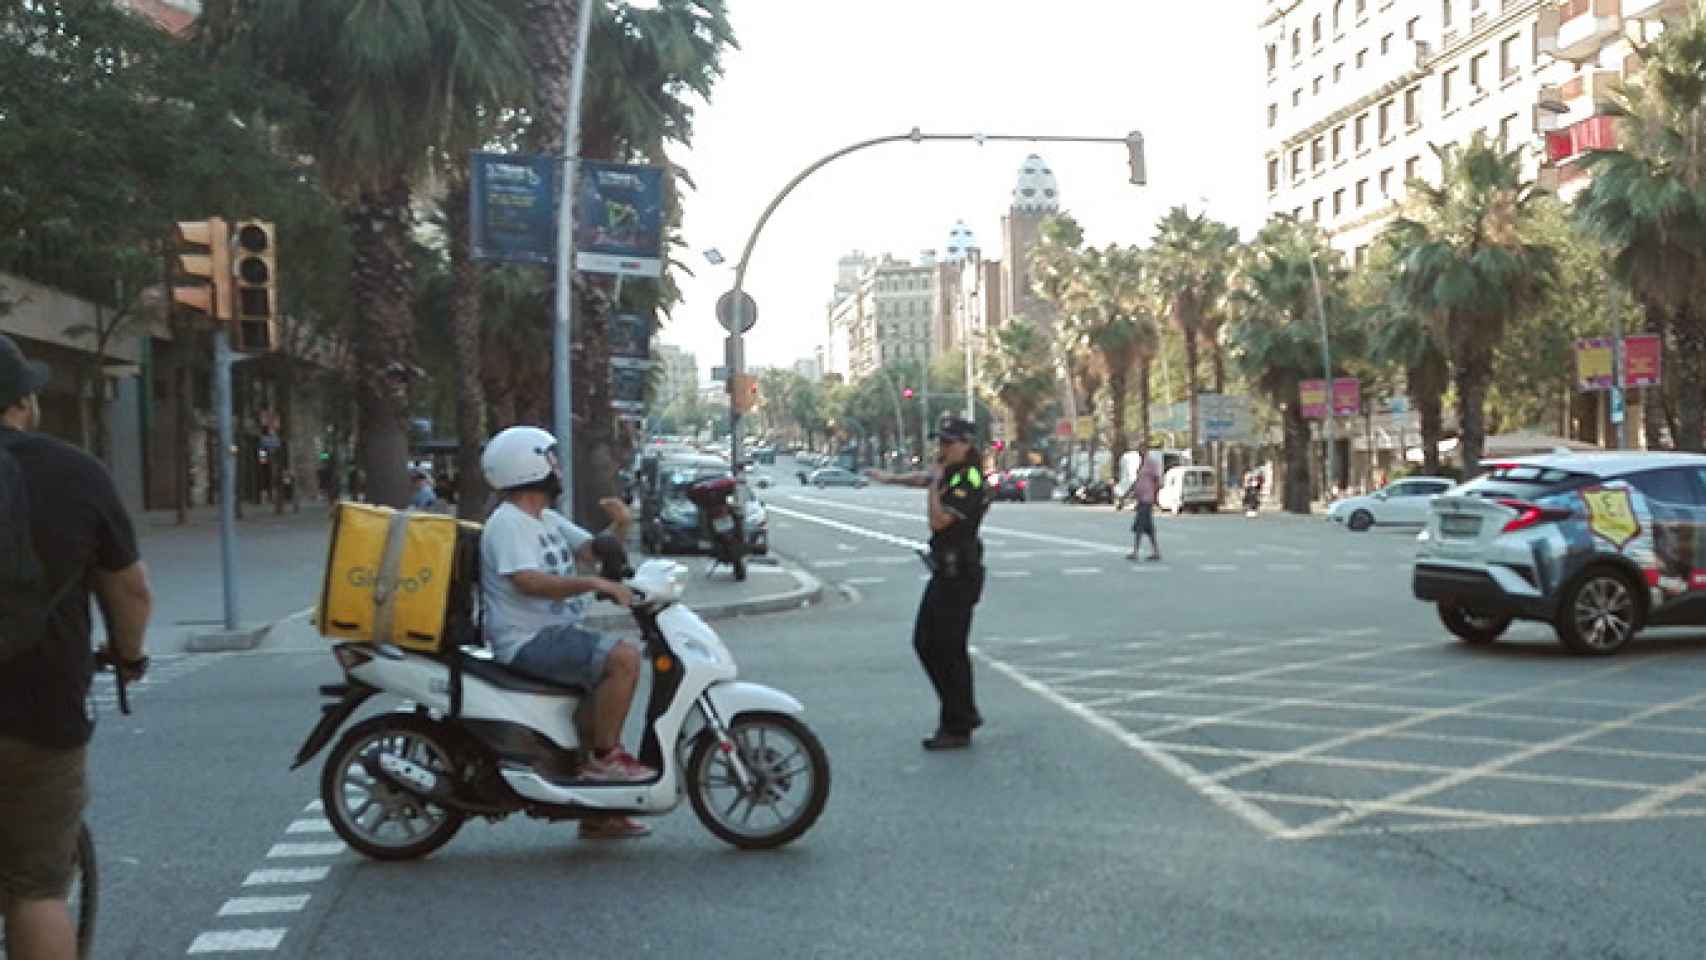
x: 1653, y: 9
x: 1594, y: 133
x: 1576, y: 29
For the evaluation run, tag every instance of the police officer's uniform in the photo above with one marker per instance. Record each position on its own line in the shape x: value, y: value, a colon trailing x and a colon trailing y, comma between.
x: 941, y: 632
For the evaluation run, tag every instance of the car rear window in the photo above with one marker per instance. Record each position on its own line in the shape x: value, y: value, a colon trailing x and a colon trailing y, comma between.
x: 1524, y: 482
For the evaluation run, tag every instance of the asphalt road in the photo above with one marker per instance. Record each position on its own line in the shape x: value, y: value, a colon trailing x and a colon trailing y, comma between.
x: 1260, y: 746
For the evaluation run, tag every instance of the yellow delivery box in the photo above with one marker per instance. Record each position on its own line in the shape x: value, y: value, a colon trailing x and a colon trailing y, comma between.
x: 397, y: 576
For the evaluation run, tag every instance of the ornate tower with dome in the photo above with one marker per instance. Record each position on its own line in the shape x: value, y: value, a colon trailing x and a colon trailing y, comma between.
x: 1036, y: 197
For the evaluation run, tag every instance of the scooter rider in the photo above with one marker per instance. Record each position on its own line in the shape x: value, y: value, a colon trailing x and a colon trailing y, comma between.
x: 534, y: 602
x: 959, y: 497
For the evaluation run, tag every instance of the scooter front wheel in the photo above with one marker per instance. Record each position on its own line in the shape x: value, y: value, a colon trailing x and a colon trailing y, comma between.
x: 790, y: 782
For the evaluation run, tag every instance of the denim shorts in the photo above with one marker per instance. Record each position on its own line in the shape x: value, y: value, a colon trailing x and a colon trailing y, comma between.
x: 569, y: 655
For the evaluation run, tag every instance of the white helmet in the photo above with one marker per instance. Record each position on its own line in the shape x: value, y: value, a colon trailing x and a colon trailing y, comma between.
x: 519, y: 456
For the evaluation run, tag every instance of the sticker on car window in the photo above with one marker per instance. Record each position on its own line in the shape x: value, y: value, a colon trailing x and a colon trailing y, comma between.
x: 1611, y: 515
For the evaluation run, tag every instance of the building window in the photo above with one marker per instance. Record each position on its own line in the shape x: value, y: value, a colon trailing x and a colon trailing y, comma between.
x: 1315, y: 210
x: 1362, y: 7
x: 1361, y: 131
x: 1362, y: 58
x: 1297, y: 97
x: 1338, y: 73
x: 1317, y: 87
x: 1412, y: 28
x: 1386, y: 182
x: 1361, y: 255
x: 1273, y: 58
x: 1446, y: 82
x: 1507, y: 126
x: 1507, y: 56
x: 1315, y: 30
x: 1445, y: 13
x: 1385, y: 120
x: 1297, y: 163
x: 1412, y: 106
x: 1273, y: 114
x: 1296, y: 44
x: 1477, y: 70
x: 1338, y: 201
x: 1385, y: 45
x: 1338, y: 141
x: 1316, y: 154
x: 1362, y: 192
x: 1412, y: 169
x: 1273, y: 174
x: 1338, y: 14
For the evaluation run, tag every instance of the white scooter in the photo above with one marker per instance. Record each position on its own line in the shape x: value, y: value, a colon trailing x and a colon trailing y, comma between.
x: 473, y: 738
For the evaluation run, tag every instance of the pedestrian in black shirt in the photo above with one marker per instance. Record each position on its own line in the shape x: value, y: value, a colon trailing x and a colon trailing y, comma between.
x: 959, y: 497
x: 84, y: 541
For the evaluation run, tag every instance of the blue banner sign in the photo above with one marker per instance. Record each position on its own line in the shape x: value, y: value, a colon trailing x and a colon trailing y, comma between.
x: 619, y: 219
x: 513, y: 207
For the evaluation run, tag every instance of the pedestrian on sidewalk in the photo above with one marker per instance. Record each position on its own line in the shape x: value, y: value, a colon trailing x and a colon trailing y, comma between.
x: 1144, y: 489
x: 958, y: 499
x: 63, y: 534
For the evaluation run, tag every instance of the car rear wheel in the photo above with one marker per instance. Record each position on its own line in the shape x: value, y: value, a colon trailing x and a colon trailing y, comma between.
x: 1360, y: 521
x: 1471, y: 626
x: 1599, y: 613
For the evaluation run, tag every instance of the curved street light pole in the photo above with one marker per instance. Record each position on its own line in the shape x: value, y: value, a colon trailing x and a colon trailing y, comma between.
x: 737, y: 361
x: 1327, y: 372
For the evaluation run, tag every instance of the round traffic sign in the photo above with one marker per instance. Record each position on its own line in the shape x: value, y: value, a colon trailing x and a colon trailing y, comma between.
x: 725, y: 311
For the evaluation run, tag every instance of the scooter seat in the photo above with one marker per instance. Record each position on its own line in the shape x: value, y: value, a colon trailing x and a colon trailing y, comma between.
x: 499, y: 675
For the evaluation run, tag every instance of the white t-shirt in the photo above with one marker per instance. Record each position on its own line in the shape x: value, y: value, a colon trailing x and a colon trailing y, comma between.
x: 512, y: 542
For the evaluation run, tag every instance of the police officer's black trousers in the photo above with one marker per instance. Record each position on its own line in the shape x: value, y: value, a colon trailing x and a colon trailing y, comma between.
x: 940, y: 636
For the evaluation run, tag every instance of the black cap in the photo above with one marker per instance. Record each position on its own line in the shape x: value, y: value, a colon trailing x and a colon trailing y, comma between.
x: 19, y: 377
x: 955, y: 428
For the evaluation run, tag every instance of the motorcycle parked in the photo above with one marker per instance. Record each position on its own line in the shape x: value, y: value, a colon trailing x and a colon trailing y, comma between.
x: 1090, y: 492
x: 471, y: 738
x: 1252, y: 494
x: 721, y: 521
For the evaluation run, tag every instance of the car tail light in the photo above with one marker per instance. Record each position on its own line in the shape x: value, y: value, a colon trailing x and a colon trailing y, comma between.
x: 1528, y: 514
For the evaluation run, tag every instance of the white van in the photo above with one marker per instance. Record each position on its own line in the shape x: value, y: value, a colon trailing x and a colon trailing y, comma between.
x: 1188, y: 488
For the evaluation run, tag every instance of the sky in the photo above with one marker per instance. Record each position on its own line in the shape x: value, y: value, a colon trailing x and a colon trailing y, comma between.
x: 812, y: 76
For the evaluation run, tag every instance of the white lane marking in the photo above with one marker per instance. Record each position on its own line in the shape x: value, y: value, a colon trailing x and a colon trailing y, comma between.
x: 1010, y: 574
x: 286, y: 850
x: 1219, y: 568
x: 1086, y: 545
x: 249, y: 906
x: 238, y: 941
x: 1221, y: 795
x: 1658, y: 798
x: 847, y: 527
x: 865, y: 581
x: 314, y: 806
x: 1285, y: 567
x: 1081, y: 571
x: 310, y: 825
x: 276, y: 876
x: 846, y: 548
x: 829, y: 563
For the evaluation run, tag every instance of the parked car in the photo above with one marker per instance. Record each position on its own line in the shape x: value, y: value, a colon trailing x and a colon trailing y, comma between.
x: 1188, y: 489
x: 1599, y: 545
x: 669, y: 522
x: 834, y: 477
x: 1400, y: 503
x: 1023, y: 484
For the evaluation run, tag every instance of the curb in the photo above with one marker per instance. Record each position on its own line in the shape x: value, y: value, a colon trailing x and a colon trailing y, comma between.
x: 807, y: 591
x: 225, y: 641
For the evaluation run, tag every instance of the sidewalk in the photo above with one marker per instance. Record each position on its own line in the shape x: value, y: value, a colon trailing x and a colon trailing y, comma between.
x: 281, y: 563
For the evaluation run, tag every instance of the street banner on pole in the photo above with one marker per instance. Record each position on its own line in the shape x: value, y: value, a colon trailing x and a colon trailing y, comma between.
x: 619, y: 219
x: 1642, y: 365
x: 1593, y: 364
x: 631, y: 336
x: 1347, y: 396
x: 1084, y: 428
x: 1224, y: 416
x: 512, y: 207
x: 1312, y: 396
x: 628, y: 384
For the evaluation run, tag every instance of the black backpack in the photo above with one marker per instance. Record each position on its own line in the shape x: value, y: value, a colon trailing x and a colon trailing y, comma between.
x: 26, y: 603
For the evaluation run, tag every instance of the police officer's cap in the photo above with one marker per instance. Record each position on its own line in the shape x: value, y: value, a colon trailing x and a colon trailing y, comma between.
x: 955, y: 428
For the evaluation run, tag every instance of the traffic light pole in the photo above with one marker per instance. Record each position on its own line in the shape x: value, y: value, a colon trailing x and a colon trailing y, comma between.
x: 222, y: 360
x: 1133, y: 142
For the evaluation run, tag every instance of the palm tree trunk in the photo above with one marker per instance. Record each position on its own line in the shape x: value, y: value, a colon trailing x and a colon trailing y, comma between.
x: 1690, y: 380
x: 385, y: 345
x: 465, y: 331
x: 1296, y: 445
x: 1143, y: 387
x: 1652, y: 401
x: 1119, y: 385
x: 1472, y: 374
x: 1426, y: 381
x: 1191, y: 351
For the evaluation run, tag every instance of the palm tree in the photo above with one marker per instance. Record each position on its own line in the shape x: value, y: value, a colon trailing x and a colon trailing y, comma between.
x: 1467, y: 264
x: 1401, y: 337
x: 1276, y: 336
x: 1021, y: 375
x: 1193, y: 255
x: 1647, y: 204
x: 388, y: 84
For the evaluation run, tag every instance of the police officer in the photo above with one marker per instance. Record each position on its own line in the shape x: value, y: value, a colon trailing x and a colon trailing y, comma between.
x: 959, y: 496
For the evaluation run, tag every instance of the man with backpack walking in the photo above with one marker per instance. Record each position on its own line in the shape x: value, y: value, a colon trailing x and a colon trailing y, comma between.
x: 63, y: 535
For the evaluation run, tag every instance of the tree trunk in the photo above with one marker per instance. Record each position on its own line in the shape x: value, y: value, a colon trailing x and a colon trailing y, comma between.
x: 1652, y: 398
x: 1424, y: 381
x: 383, y: 286
x: 1118, y: 386
x: 471, y: 492
x: 1296, y: 446
x: 595, y: 422
x: 1191, y: 385
x: 1143, y: 387
x: 1690, y: 380
x: 1472, y: 375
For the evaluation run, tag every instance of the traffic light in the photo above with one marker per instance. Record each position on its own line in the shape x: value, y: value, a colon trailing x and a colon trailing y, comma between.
x: 257, y: 287
x: 1000, y: 445
x: 907, y: 393
x: 1134, y: 150
x: 203, y: 262
x: 743, y: 393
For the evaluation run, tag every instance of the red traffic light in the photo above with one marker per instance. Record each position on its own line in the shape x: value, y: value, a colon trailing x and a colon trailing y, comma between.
x: 907, y: 393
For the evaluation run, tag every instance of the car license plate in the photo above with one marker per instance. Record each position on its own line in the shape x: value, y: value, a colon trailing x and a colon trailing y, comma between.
x: 1461, y: 526
x: 723, y: 524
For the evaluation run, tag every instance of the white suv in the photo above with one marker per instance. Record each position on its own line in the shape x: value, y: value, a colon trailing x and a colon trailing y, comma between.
x: 1597, y: 544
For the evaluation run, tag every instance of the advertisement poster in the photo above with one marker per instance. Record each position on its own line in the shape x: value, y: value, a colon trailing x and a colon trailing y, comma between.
x: 1312, y: 394
x: 1347, y: 397
x: 619, y: 219
x: 1641, y: 362
x: 631, y: 336
x: 513, y: 208
x: 628, y: 380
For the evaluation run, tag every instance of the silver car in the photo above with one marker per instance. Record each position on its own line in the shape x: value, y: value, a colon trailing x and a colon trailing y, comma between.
x: 1599, y: 545
x: 1399, y: 503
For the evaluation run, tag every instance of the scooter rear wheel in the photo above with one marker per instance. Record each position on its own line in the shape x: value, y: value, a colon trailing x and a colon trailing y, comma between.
x: 374, y: 817
x: 791, y: 782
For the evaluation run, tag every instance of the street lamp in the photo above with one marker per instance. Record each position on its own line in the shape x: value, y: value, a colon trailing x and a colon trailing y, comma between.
x: 1327, y: 373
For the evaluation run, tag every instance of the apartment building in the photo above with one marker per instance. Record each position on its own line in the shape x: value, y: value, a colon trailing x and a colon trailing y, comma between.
x: 1364, y: 96
x: 884, y: 313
